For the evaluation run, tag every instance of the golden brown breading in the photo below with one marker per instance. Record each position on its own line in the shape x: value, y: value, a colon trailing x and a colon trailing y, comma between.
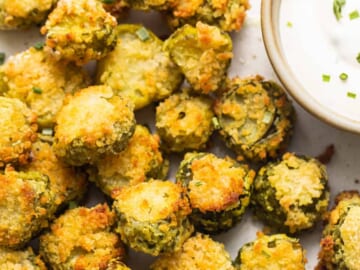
x: 41, y: 82
x: 93, y: 122
x: 199, y: 252
x: 17, y: 131
x: 80, y: 31
x: 20, y: 260
x: 81, y: 238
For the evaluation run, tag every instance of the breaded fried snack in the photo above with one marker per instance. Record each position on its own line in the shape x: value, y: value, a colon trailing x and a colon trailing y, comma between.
x: 228, y: 15
x: 219, y: 190
x: 139, y: 68
x: 40, y: 81
x: 117, y: 265
x: 16, y: 14
x: 203, y: 53
x: 291, y: 194
x: 184, y: 122
x: 26, y: 203
x: 20, y: 260
x: 81, y: 238
x: 17, y: 131
x: 80, y: 31
x: 92, y: 123
x: 152, y: 217
x: 199, y: 252
x: 256, y: 118
x: 147, y: 5
x: 138, y: 162
x: 340, y: 239
x: 271, y: 252
x: 68, y: 183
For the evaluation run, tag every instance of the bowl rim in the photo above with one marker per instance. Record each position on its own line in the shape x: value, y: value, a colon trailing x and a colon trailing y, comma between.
x: 272, y: 42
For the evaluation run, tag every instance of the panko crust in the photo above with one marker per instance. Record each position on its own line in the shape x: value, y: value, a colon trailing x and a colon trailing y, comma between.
x: 19, y: 14
x: 340, y: 240
x: 219, y: 190
x: 228, y: 15
x: 271, y: 252
x: 139, y: 68
x: 20, y: 260
x: 26, y: 203
x: 291, y: 194
x: 184, y: 122
x: 82, y: 239
x: 41, y: 82
x: 140, y: 161
x: 203, y: 53
x: 199, y: 252
x: 17, y: 131
x: 80, y: 31
x: 256, y: 118
x: 68, y: 183
x: 153, y: 216
x: 93, y: 122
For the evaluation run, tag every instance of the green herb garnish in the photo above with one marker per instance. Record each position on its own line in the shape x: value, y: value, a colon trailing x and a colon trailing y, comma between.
x: 2, y: 58
x: 73, y: 204
x: 108, y: 1
x: 326, y: 78
x: 215, y: 123
x: 39, y: 45
x: 358, y: 58
x: 337, y: 7
x: 289, y: 24
x: 198, y: 183
x: 343, y: 76
x: 351, y: 95
x: 37, y: 90
x: 354, y: 15
x: 143, y: 34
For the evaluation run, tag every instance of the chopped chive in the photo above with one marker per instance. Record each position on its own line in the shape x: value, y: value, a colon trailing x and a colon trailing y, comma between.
x: 358, y: 58
x: 337, y: 8
x: 216, y: 123
x: 289, y: 24
x: 2, y: 58
x: 198, y: 183
x: 37, y: 90
x: 47, y: 132
x: 39, y: 45
x: 343, y: 76
x: 143, y: 34
x: 351, y: 95
x: 354, y: 15
x: 108, y: 1
x: 326, y: 78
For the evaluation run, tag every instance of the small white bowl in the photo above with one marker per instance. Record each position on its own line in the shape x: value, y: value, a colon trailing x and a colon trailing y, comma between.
x: 303, y: 46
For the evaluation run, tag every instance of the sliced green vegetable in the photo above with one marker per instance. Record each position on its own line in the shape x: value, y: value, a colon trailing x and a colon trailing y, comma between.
x: 358, y: 57
x: 37, y: 90
x: 39, y: 45
x: 143, y: 34
x: 2, y: 58
x: 354, y: 15
x: 326, y: 78
x: 351, y: 95
x: 343, y: 76
x: 337, y: 8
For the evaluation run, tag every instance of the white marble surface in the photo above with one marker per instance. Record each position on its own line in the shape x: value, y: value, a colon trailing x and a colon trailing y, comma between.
x: 311, y: 136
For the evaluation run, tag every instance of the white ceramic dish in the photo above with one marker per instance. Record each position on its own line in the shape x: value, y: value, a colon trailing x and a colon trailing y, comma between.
x: 311, y: 135
x: 305, y: 41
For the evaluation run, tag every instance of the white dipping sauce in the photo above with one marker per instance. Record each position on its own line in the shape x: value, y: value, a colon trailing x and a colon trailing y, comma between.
x: 316, y: 43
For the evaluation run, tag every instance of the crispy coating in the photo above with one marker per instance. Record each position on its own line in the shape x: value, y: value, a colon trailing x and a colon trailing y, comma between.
x: 92, y: 123
x: 139, y: 68
x: 292, y: 194
x: 271, y: 252
x: 140, y: 161
x: 16, y: 14
x: 218, y: 189
x: 117, y: 8
x: 26, y: 203
x: 229, y: 15
x: 184, y: 122
x: 81, y: 238
x: 153, y: 217
x: 20, y: 260
x: 17, y: 131
x: 80, y: 31
x: 40, y: 81
x: 340, y: 240
x: 67, y: 183
x: 199, y: 252
x: 203, y: 53
x: 256, y: 118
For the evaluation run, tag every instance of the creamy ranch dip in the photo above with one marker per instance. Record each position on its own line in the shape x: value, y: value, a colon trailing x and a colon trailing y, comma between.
x: 319, y: 48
